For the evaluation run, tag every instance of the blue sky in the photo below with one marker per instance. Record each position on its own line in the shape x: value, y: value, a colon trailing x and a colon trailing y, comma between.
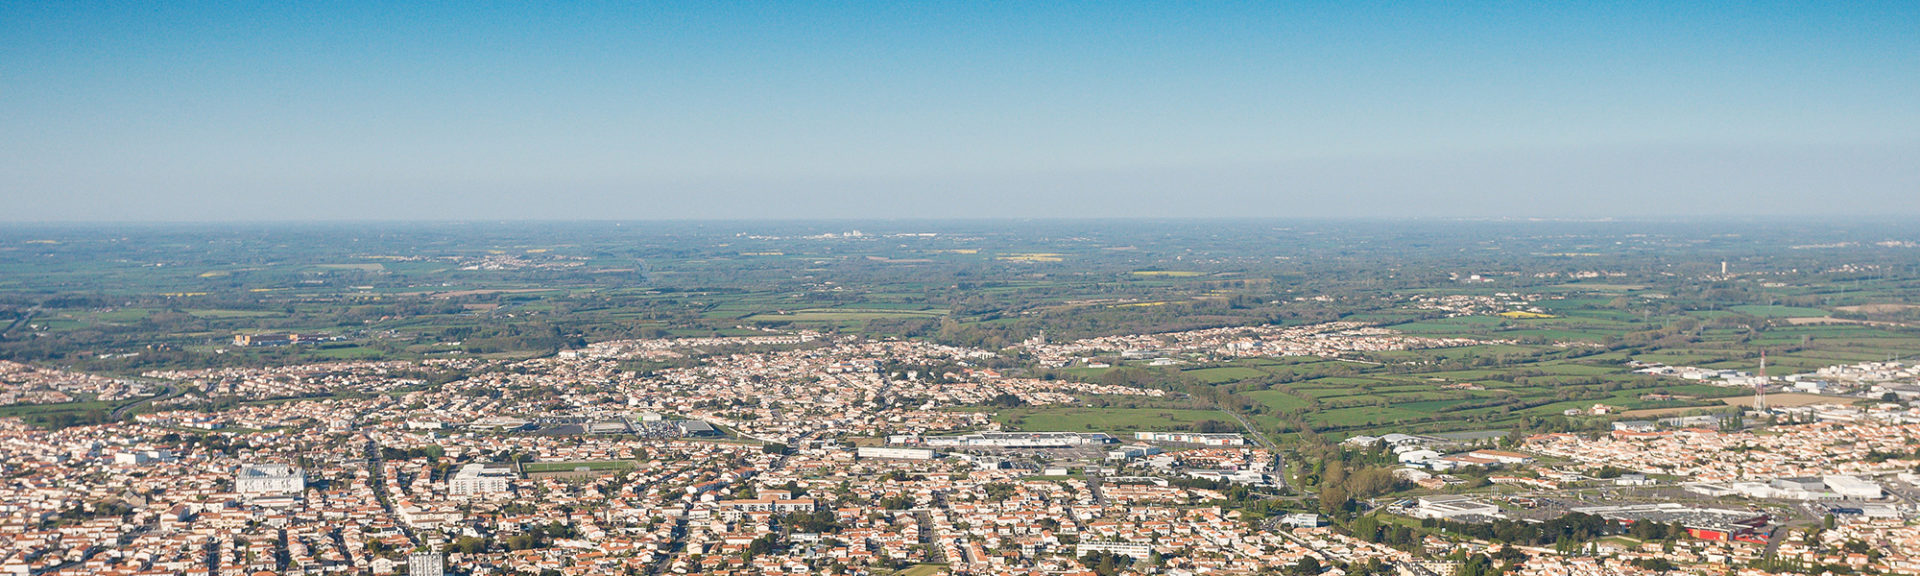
x: 341, y: 110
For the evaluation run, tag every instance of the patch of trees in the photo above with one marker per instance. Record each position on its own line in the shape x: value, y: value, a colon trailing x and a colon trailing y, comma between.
x: 1306, y: 566
x: 1370, y: 528
x: 817, y: 521
x: 66, y: 418
x: 1005, y: 400
x: 999, y: 491
x: 763, y: 545
x: 430, y: 452
x: 1345, y: 475
x: 382, y: 549
x: 469, y: 545
x: 1106, y: 563
x: 1475, y: 565
x: 1213, y: 427
x: 539, y: 536
x: 1574, y: 527
x: 1372, y: 567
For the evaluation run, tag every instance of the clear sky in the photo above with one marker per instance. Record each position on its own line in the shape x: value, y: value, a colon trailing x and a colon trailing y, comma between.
x: 481, y: 110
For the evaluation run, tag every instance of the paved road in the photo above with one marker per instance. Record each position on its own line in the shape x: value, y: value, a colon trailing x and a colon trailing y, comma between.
x: 935, y: 554
x: 1773, y: 541
x: 378, y: 481
x: 1259, y: 436
x: 674, y: 547
x: 23, y: 319
x: 1093, y: 489
x: 166, y: 391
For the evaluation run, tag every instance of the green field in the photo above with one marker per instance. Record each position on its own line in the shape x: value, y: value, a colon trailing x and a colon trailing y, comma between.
x: 1780, y: 311
x: 843, y: 315
x: 1225, y: 374
x: 57, y: 414
x: 233, y: 313
x: 126, y: 301
x: 922, y: 570
x: 1369, y: 415
x: 1279, y: 401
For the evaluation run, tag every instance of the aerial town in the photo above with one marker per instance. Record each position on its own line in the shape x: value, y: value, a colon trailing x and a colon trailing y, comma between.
x: 815, y: 453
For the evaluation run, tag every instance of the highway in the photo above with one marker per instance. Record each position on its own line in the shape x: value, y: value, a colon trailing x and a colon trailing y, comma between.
x: 166, y: 391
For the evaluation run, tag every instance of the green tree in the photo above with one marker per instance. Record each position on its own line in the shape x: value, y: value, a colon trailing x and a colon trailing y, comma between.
x: 468, y: 545
x: 1333, y: 498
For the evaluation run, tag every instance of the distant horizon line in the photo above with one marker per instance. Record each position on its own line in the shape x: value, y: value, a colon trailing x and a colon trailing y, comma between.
x: 1809, y: 219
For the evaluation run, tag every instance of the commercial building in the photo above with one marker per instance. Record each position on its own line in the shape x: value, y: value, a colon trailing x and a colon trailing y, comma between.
x: 1633, y: 480
x: 696, y: 428
x: 1702, y: 421
x: 139, y: 457
x: 501, y: 424
x: 480, y: 480
x: 1132, y: 451
x: 1418, y: 457
x: 1852, y: 488
x: 1234, y: 476
x: 1635, y: 426
x: 1459, y: 508
x: 1503, y: 457
x: 895, y: 453
x: 1794, y: 488
x: 1703, y: 523
x: 1192, y: 438
x: 606, y: 427
x: 1455, y: 461
x: 1022, y: 440
x: 1395, y: 441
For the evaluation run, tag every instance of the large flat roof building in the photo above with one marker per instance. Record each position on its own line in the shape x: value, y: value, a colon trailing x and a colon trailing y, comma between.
x: 1454, y: 508
x: 481, y: 480
x: 1192, y: 438
x: 895, y: 453
x: 696, y: 428
x: 262, y: 480
x: 1023, y: 440
x: 1852, y: 488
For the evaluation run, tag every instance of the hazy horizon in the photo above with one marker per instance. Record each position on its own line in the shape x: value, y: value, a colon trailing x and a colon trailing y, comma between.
x: 178, y: 112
